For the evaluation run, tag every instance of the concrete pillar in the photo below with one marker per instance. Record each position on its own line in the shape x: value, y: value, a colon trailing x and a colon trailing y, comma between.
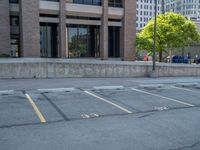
x: 128, y: 31
x: 104, y: 31
x: 4, y: 27
x: 62, y: 31
x: 29, y: 28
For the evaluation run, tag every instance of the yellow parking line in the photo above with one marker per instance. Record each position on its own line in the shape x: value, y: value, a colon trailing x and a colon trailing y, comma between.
x: 37, y: 111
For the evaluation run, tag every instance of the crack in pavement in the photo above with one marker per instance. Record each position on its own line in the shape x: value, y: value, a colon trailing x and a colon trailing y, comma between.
x: 192, y: 147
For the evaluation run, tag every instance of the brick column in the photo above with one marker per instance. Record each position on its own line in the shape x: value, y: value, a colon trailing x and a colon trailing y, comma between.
x: 128, y: 31
x: 29, y: 28
x: 4, y: 27
x: 104, y: 31
x: 62, y: 31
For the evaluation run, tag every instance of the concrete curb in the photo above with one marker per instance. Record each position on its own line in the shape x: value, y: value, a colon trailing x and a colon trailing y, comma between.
x: 108, y: 87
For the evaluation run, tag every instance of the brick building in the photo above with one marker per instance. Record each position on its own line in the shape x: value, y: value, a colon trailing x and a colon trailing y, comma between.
x: 68, y: 28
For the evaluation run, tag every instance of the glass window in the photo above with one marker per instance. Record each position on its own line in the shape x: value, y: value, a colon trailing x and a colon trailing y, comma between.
x: 97, y: 2
x: 14, y: 42
x: 83, y: 41
x: 88, y: 2
x: 14, y: 21
x: 52, y: 0
x: 72, y: 41
x: 115, y: 3
x: 14, y: 30
x: 14, y: 1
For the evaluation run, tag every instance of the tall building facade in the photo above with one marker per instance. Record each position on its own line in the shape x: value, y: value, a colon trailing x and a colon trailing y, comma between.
x: 145, y: 10
x: 170, y: 6
x: 188, y: 8
x: 68, y: 28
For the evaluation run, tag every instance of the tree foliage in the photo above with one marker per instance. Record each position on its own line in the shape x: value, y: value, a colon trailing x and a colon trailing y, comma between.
x: 173, y: 31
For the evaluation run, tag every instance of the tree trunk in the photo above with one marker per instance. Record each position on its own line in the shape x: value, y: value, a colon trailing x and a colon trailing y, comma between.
x: 160, y: 56
x: 182, y: 51
x: 170, y: 54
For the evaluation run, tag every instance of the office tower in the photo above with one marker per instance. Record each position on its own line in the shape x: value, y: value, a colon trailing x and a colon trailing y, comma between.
x: 145, y: 10
x: 68, y: 28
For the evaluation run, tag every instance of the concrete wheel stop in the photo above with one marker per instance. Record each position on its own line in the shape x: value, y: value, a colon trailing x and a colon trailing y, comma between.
x: 195, y: 84
x: 151, y: 86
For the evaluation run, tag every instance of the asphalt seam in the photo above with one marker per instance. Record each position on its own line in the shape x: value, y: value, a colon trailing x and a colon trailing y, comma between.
x: 29, y: 124
x: 101, y: 116
x: 55, y: 107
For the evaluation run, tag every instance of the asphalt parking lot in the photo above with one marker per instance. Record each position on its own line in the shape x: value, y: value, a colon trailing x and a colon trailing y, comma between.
x: 141, y: 116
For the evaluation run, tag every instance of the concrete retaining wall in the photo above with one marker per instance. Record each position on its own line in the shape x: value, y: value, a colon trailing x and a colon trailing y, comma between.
x: 61, y: 68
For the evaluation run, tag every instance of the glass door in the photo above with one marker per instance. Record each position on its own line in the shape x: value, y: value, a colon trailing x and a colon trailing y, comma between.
x: 48, y: 40
x: 114, y: 42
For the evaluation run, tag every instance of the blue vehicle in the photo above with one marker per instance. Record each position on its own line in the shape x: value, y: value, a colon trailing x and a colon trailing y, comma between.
x: 180, y: 59
x: 175, y: 59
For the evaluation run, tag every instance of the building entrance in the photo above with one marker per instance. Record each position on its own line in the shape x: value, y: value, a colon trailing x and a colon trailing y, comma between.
x: 48, y: 40
x: 15, y: 36
x: 114, y: 42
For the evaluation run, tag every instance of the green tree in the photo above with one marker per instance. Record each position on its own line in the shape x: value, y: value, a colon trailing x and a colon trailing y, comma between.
x: 173, y: 31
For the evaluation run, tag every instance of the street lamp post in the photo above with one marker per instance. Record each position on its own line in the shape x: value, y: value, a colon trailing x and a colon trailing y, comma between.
x: 154, y: 49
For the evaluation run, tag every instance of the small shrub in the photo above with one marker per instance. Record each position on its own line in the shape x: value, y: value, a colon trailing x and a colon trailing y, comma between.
x: 4, y: 55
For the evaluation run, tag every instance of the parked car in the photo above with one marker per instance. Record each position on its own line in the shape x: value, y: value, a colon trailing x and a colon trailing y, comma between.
x: 197, y: 60
x: 180, y: 59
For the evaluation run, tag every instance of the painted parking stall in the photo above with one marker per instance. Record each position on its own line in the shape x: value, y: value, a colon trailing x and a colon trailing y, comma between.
x: 184, y: 95
x: 41, y: 106
x: 140, y: 101
x: 15, y: 109
x: 78, y: 104
x: 48, y: 111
